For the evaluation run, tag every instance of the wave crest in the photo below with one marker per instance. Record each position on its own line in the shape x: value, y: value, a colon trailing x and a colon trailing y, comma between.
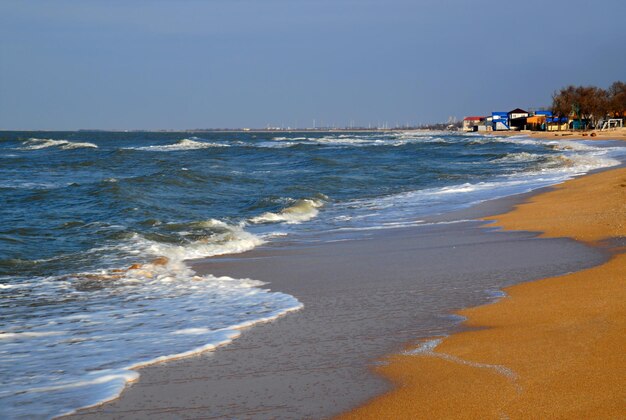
x: 519, y: 157
x: 36, y: 144
x: 183, y: 144
x: 301, y: 211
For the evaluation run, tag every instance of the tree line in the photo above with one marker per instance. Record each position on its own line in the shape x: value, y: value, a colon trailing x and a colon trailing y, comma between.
x: 590, y: 103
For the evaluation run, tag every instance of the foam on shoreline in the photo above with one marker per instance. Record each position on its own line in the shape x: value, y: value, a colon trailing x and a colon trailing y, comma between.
x: 138, y: 316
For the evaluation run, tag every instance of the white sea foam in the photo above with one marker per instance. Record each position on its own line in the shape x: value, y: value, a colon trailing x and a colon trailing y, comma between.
x: 78, y: 145
x: 576, y: 163
x: 357, y: 140
x: 28, y: 185
x: 301, y: 211
x: 540, y: 170
x: 383, y: 226
x: 519, y: 157
x: 144, y: 314
x: 289, y: 138
x: 271, y: 235
x: 228, y: 239
x: 427, y: 348
x: 36, y: 144
x: 275, y: 144
x: 181, y: 145
x: 28, y: 334
x: 128, y: 335
x: 192, y: 331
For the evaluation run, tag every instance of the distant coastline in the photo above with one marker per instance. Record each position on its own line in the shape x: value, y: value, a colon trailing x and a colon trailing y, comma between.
x: 228, y: 130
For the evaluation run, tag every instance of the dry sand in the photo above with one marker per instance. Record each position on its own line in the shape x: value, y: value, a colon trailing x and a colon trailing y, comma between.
x: 553, y: 348
x: 589, y: 209
x: 612, y: 134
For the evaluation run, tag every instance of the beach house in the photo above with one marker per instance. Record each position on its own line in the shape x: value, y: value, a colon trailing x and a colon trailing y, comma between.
x: 500, y: 121
x: 471, y: 123
x: 557, y: 123
x: 536, y: 121
x: 517, y: 119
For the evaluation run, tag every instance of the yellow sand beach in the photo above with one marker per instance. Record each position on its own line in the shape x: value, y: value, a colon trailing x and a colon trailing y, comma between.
x: 612, y: 134
x: 553, y: 348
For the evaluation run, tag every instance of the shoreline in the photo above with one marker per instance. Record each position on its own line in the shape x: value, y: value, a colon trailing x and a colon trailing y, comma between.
x: 559, y: 358
x: 249, y: 264
x: 612, y: 134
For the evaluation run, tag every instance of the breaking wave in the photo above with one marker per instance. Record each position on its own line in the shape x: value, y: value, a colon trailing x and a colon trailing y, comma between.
x: 357, y: 140
x: 221, y: 239
x: 301, y: 211
x: 184, y: 144
x: 136, y: 315
x: 574, y: 163
x: 519, y: 157
x: 36, y: 144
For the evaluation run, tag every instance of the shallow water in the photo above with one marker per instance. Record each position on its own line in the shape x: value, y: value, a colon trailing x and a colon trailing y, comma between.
x: 78, y: 209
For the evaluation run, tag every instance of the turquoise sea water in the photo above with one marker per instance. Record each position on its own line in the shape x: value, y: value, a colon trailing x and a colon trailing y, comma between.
x: 77, y: 209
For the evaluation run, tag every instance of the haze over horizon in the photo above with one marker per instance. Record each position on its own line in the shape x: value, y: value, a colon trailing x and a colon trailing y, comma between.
x: 164, y: 64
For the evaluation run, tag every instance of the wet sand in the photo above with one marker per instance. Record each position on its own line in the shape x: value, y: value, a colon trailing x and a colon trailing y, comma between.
x: 552, y: 348
x: 363, y: 299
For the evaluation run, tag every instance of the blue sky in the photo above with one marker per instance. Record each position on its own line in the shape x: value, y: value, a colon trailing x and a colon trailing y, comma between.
x: 248, y: 63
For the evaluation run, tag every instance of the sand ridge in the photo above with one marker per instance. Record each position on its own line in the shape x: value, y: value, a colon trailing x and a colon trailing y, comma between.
x: 563, y: 337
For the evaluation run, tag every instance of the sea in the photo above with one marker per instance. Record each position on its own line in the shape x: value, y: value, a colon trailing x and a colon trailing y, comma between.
x: 97, y: 230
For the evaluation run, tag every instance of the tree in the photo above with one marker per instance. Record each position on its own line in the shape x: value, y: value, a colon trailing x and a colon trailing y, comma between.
x: 581, y: 102
x: 563, y: 101
x: 617, y: 99
x: 594, y: 104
